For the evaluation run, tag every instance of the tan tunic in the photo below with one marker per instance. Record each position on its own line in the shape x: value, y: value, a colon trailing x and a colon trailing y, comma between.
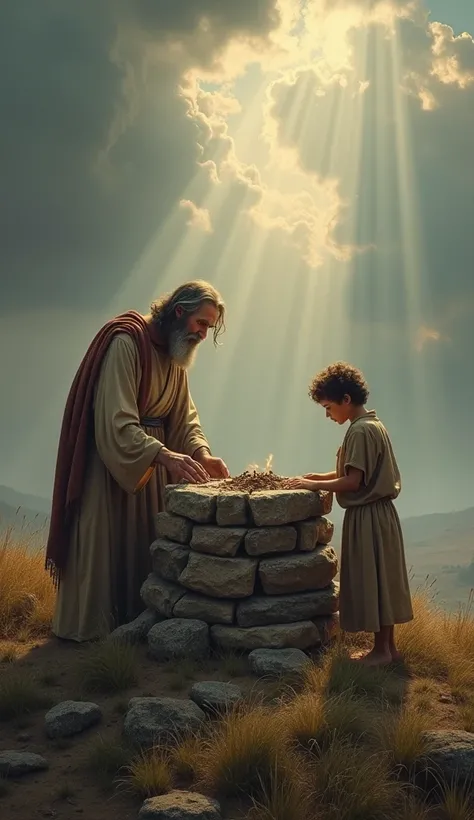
x: 374, y: 581
x: 109, y: 554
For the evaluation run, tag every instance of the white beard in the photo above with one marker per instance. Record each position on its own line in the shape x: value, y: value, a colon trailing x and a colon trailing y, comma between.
x: 183, y: 347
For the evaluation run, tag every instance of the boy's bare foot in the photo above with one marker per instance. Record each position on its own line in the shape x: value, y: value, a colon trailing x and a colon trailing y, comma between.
x: 397, y: 656
x: 374, y: 658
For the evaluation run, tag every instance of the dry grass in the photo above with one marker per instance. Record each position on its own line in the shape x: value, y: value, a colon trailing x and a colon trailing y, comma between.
x: 402, y: 737
x: 107, y: 758
x: 108, y: 667
x: 241, y: 753
x: 352, y: 783
x: 311, y: 720
x: 184, y: 757
x: 20, y: 694
x: 457, y: 801
x: 27, y: 594
x: 335, y: 747
x: 148, y: 774
x: 339, y: 675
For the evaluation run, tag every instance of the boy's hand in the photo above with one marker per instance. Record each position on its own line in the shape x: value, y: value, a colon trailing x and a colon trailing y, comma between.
x: 301, y: 483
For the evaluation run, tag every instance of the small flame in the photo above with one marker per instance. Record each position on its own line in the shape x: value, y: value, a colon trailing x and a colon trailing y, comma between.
x: 254, y: 468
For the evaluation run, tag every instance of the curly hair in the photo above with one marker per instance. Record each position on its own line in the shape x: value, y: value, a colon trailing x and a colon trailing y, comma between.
x: 338, y: 380
x: 190, y: 297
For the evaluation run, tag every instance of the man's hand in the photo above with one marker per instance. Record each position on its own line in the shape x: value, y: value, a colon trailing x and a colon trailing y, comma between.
x: 301, y: 483
x: 213, y: 465
x: 182, y: 468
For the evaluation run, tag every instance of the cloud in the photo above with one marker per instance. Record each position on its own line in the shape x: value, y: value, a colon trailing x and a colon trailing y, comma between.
x: 426, y: 335
x: 101, y: 142
x: 198, y: 217
x: 399, y: 157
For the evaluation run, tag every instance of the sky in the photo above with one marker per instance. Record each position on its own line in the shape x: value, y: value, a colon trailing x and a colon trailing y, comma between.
x: 311, y: 158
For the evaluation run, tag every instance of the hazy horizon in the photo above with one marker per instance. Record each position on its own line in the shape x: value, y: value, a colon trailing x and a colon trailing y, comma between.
x: 312, y: 160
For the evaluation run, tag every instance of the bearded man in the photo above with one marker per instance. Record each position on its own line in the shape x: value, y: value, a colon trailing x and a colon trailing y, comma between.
x: 130, y: 426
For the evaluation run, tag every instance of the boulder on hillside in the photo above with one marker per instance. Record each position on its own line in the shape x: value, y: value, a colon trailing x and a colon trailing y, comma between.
x: 180, y: 805
x: 151, y: 721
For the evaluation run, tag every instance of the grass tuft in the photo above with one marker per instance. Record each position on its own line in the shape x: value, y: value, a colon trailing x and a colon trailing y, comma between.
x: 108, y: 667
x: 148, y: 774
x: 20, y: 694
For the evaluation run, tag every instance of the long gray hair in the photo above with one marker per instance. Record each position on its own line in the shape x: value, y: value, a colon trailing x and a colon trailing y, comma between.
x: 189, y: 297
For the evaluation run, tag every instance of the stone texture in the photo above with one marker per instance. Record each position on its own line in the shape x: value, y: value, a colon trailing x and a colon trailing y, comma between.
x: 214, y: 695
x: 180, y: 805
x: 179, y: 638
x: 174, y: 527
x: 262, y: 610
x: 266, y: 540
x: 313, y: 532
x: 325, y: 529
x: 328, y: 627
x: 151, y: 721
x: 220, y: 577
x: 222, y: 541
x: 210, y: 610
x: 198, y: 504
x: 451, y: 752
x: 71, y: 717
x: 276, y: 663
x: 299, y: 572
x: 168, y: 559
x: 232, y: 509
x: 16, y: 764
x: 301, y: 635
x: 160, y: 595
x: 137, y: 630
x: 276, y: 507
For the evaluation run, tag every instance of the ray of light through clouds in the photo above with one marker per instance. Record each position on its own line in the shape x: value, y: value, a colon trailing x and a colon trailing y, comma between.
x: 312, y: 159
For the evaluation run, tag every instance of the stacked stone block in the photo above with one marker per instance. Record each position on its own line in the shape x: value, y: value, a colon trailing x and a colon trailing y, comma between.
x: 256, y: 567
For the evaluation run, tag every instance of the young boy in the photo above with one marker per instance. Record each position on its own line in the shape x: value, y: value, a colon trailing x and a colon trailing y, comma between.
x: 374, y: 593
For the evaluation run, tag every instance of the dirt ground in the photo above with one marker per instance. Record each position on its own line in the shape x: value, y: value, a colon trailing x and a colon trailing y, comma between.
x: 69, y: 789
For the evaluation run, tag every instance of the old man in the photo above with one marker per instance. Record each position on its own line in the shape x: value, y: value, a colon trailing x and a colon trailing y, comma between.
x: 130, y: 426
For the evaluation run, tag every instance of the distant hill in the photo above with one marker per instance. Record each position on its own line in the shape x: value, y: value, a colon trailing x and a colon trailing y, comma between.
x: 20, y: 510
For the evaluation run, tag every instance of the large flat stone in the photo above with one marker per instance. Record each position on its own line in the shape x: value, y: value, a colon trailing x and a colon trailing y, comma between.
x: 222, y: 541
x: 160, y: 595
x: 232, y: 509
x: 179, y: 638
x: 451, y: 755
x: 302, y: 635
x: 180, y: 805
x: 276, y: 507
x: 168, y: 559
x: 300, y: 572
x: 284, y: 609
x: 71, y: 717
x: 151, y: 721
x: 277, y: 663
x: 210, y: 610
x: 16, y: 764
x: 266, y: 540
x: 220, y: 577
x: 214, y: 695
x: 313, y: 532
x: 174, y: 527
x: 135, y: 631
x: 197, y: 503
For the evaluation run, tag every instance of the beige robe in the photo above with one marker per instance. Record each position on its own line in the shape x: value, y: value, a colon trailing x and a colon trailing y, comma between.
x: 109, y: 555
x: 374, y: 580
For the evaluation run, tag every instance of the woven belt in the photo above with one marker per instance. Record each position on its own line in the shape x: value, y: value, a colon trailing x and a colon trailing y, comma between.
x: 149, y: 421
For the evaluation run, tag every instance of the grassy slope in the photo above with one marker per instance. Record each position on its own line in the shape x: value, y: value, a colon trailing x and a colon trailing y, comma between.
x: 339, y: 742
